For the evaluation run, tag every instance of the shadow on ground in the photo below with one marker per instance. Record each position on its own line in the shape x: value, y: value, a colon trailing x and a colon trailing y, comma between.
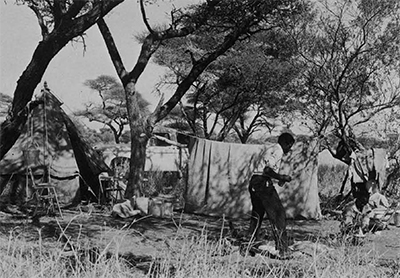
x: 139, y: 240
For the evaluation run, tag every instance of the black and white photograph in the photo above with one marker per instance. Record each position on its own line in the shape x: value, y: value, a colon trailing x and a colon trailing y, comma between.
x: 199, y: 138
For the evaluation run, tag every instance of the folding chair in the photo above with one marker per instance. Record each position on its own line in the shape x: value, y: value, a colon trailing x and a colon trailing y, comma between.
x: 46, y: 195
x: 116, y: 187
x: 115, y: 193
x: 113, y: 188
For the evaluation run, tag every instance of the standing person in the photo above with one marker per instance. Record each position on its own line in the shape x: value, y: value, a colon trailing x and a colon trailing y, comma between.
x: 264, y: 197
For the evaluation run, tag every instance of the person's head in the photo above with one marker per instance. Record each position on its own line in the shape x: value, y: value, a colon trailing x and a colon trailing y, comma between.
x: 372, y: 186
x: 286, y: 140
x: 343, y: 152
x: 361, y: 201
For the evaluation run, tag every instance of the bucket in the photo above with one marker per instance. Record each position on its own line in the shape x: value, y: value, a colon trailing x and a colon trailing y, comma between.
x: 156, y: 207
x: 162, y: 206
x: 396, y: 218
x: 168, y: 205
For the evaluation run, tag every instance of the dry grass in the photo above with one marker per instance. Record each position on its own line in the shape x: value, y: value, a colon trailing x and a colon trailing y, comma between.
x: 202, y: 258
x: 63, y: 258
x: 186, y: 256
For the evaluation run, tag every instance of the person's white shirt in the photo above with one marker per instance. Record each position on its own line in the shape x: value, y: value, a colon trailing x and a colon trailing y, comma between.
x: 272, y: 158
x: 377, y: 200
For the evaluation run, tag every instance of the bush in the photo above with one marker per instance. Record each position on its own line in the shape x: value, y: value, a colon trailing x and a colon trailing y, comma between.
x: 330, y: 178
x: 168, y: 183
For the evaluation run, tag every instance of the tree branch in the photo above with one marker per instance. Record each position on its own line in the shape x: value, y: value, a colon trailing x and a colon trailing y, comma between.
x: 42, y: 23
x: 57, y: 12
x: 144, y: 17
x: 76, y: 7
x: 112, y: 49
x: 197, y: 69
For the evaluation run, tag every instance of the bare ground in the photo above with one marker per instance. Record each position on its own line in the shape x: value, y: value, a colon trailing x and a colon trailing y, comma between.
x: 140, y: 240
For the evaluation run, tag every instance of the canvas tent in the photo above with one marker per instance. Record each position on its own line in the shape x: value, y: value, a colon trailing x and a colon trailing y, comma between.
x: 219, y: 174
x: 51, y: 144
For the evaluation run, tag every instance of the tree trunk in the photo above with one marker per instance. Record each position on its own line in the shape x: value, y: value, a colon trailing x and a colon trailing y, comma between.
x: 11, y: 128
x: 138, y: 159
x: 46, y: 50
x: 140, y: 134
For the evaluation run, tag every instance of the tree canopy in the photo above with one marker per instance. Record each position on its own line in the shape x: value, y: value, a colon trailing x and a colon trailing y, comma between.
x: 242, y: 89
x: 110, y: 110
x: 349, y: 56
x: 227, y: 22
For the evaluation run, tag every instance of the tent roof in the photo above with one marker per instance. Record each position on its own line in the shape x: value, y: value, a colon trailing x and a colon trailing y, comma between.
x: 51, y: 140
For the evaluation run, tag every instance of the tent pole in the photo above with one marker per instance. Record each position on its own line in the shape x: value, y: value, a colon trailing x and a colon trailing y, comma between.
x: 45, y: 134
x: 26, y: 184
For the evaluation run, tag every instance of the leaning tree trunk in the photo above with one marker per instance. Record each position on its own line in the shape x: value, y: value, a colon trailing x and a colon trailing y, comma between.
x: 11, y: 128
x: 68, y: 26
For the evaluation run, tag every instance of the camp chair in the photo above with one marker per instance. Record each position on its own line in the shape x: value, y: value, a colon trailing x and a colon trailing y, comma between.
x: 46, y: 195
x: 115, y: 184
x: 112, y: 188
x: 115, y: 192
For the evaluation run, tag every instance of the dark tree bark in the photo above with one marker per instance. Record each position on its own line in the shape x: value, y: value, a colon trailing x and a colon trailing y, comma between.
x: 68, y: 25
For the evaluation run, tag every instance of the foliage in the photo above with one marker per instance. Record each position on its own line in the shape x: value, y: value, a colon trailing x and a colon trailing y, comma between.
x: 330, y: 178
x: 163, y: 182
x: 241, y: 90
x: 51, y: 13
x: 176, y: 119
x: 382, y: 125
x: 111, y: 111
x: 349, y: 53
x: 5, y: 98
x: 227, y: 22
x: 5, y: 104
x: 91, y: 135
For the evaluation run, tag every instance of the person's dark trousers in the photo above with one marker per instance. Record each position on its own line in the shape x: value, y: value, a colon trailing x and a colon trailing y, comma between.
x: 265, y: 199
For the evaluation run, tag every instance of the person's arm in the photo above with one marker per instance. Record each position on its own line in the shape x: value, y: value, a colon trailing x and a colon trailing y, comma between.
x: 383, y: 201
x: 269, y: 172
x: 272, y: 166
